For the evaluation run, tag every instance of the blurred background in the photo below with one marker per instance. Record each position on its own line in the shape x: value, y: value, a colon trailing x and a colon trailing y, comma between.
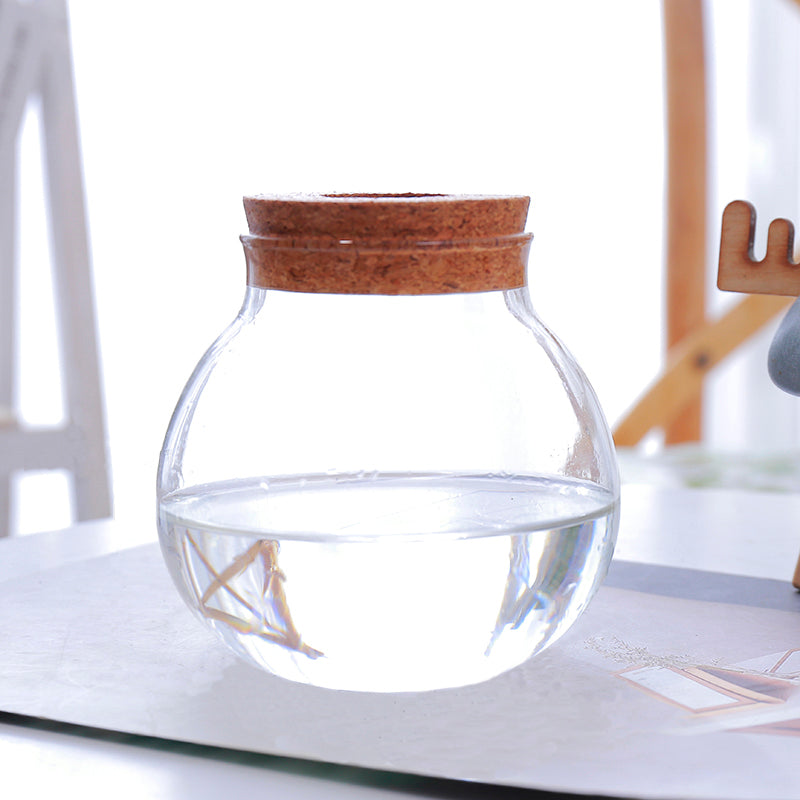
x: 183, y: 108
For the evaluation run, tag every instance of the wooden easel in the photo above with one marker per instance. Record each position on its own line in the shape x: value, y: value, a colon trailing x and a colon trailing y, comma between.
x: 696, y: 344
x: 35, y: 61
x: 776, y: 274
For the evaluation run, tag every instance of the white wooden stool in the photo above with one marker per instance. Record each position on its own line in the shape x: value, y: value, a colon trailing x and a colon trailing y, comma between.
x: 35, y: 60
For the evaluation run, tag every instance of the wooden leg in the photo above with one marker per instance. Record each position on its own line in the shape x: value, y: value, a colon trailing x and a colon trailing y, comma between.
x: 5, y: 504
x: 8, y: 251
x: 73, y: 281
x: 686, y: 189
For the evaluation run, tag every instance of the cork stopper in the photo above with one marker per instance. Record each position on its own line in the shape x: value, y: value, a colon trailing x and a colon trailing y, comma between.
x: 386, y: 244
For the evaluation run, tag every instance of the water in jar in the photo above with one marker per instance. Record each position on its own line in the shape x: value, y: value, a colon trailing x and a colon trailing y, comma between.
x: 389, y: 582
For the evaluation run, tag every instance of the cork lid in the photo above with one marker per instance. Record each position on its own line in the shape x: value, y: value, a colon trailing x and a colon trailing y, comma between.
x: 386, y: 244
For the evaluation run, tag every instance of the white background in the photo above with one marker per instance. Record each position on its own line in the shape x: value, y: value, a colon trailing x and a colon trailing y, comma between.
x: 186, y: 107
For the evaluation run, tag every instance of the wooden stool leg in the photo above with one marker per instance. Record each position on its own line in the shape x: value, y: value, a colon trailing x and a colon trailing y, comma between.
x: 5, y: 504
x: 8, y: 225
x: 73, y: 283
x: 684, y: 56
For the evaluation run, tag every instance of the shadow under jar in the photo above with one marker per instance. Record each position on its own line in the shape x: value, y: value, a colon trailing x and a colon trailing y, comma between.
x: 386, y: 474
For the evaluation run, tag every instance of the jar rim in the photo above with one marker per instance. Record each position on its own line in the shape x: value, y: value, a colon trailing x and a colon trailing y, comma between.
x: 325, y: 243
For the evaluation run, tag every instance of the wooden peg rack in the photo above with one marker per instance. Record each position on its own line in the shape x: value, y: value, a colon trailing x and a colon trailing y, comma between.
x: 777, y: 273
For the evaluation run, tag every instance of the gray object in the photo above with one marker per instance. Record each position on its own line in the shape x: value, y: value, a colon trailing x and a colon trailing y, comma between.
x: 783, y: 361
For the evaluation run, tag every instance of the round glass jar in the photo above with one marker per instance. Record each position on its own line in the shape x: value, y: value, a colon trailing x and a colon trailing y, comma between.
x: 387, y: 474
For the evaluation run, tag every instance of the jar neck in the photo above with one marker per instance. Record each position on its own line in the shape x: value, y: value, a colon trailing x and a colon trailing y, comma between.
x: 309, y: 308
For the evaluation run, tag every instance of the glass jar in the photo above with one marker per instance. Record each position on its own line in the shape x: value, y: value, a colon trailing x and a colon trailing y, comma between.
x: 387, y: 474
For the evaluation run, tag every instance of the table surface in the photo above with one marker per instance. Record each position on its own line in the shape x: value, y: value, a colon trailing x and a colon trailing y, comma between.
x: 718, y: 530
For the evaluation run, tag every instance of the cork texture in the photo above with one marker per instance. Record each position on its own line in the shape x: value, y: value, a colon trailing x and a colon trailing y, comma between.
x: 386, y: 244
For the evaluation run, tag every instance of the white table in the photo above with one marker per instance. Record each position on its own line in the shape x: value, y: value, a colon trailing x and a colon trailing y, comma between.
x: 738, y: 533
